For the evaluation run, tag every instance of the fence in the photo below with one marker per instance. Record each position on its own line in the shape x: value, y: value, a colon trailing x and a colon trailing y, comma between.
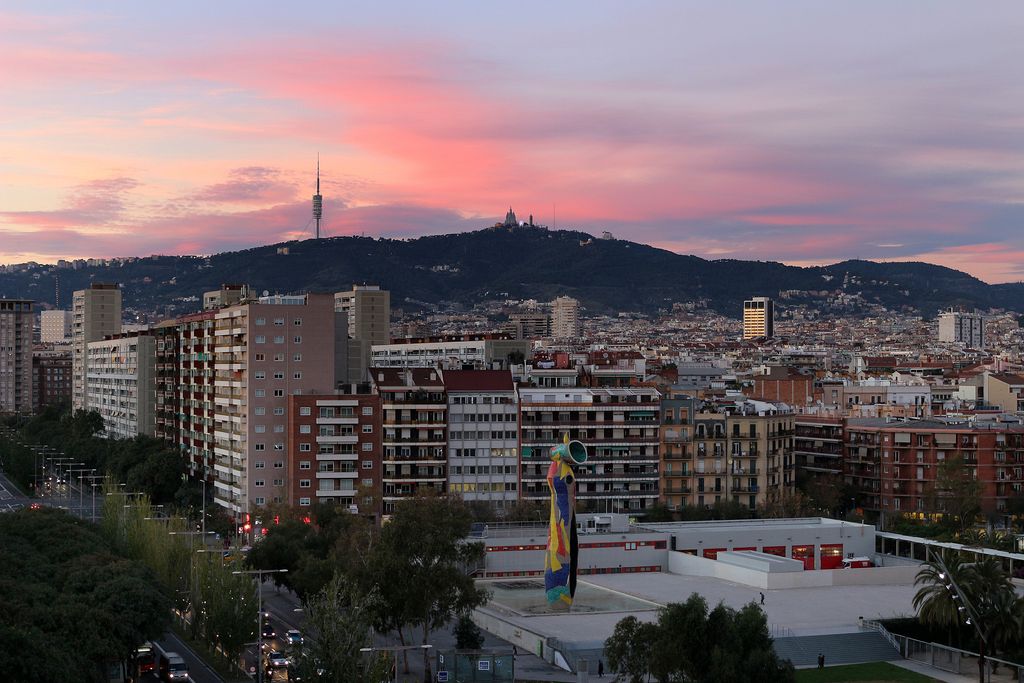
x: 475, y: 667
x: 946, y: 658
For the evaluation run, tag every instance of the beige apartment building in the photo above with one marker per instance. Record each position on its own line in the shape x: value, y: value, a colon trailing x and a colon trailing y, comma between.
x: 121, y: 384
x: 96, y: 313
x: 565, y: 318
x: 16, y: 321
x: 758, y: 318
x: 368, y: 308
x: 54, y: 326
x: 264, y: 352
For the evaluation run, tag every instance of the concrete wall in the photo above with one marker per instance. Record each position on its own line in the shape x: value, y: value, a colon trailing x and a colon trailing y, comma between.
x: 504, y: 554
x: 681, y: 563
x: 761, y: 562
x: 525, y: 639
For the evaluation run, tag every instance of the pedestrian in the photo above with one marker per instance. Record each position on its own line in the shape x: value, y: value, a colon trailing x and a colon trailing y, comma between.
x: 821, y: 661
x: 762, y: 597
x: 600, y: 669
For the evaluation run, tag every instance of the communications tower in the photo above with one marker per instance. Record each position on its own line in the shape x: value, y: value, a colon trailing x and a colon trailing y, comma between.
x: 318, y: 200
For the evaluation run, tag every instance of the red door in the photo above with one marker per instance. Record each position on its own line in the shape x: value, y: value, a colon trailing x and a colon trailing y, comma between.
x: 831, y: 555
x: 804, y: 553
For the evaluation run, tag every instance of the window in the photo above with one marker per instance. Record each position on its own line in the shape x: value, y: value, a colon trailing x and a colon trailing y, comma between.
x: 261, y: 339
x: 260, y: 429
x: 261, y: 446
x: 279, y: 339
x: 305, y: 447
x: 261, y: 321
x: 278, y: 447
x: 279, y: 464
x: 367, y: 464
x: 297, y: 339
x: 261, y: 393
x: 304, y: 502
x: 279, y: 482
x: 259, y: 483
x: 296, y: 375
x: 260, y: 464
x: 304, y: 464
x: 278, y: 393
x: 278, y: 357
x: 367, y: 429
x: 305, y: 429
x: 279, y: 429
x: 279, y: 321
x: 367, y: 446
x: 297, y: 358
x: 260, y: 500
x: 297, y: 321
x: 305, y: 410
x: 367, y: 410
x: 279, y: 411
x: 260, y: 410
x: 261, y: 356
x: 279, y: 375
x: 304, y: 483
x: 260, y: 374
x: 367, y: 482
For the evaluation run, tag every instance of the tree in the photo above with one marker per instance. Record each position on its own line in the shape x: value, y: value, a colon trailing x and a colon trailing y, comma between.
x: 689, y: 643
x: 341, y: 618
x: 468, y: 635
x: 955, y: 495
x: 658, y: 512
x: 420, y: 567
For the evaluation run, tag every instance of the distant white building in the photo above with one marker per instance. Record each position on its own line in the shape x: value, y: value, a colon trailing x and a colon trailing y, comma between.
x: 120, y: 384
x: 54, y: 326
x: 962, y: 328
x: 565, y: 318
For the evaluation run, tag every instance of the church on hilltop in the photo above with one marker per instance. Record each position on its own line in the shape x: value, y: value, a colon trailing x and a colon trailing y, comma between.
x: 511, y: 221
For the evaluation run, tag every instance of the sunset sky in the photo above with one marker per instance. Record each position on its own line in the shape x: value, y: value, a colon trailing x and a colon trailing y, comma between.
x: 803, y: 132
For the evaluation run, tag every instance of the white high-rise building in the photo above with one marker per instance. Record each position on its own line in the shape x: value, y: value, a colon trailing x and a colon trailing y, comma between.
x: 565, y: 318
x: 962, y: 328
x: 120, y: 384
x: 54, y: 326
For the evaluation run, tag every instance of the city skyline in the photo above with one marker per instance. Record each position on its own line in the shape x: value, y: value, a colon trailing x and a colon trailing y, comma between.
x: 801, y: 133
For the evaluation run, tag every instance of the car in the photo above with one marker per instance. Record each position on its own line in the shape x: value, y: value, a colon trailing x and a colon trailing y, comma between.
x: 276, y: 660
x: 268, y: 631
x: 35, y: 506
x: 145, y: 658
x: 857, y: 563
x: 293, y: 637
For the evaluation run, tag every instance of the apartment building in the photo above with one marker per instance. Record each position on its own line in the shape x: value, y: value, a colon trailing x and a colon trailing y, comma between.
x: 334, y: 450
x: 962, y: 328
x: 483, y: 436
x: 1004, y: 390
x: 415, y: 432
x: 264, y: 352
x: 195, y: 392
x: 54, y: 326
x: 743, y: 452
x: 818, y: 445
x: 620, y: 428
x: 758, y: 318
x: 51, y: 377
x: 480, y: 351
x: 565, y: 318
x: 893, y: 463
x: 167, y: 340
x: 96, y: 313
x: 16, y: 322
x: 529, y: 325
x: 368, y: 311
x: 677, y: 412
x: 121, y: 384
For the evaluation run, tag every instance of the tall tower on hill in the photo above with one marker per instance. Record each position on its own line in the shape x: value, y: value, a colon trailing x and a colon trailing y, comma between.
x: 318, y: 200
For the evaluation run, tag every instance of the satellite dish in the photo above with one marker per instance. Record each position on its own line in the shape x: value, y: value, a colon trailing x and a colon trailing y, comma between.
x: 266, y: 292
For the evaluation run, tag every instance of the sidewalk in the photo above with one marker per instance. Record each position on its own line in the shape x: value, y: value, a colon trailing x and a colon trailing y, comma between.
x: 971, y: 676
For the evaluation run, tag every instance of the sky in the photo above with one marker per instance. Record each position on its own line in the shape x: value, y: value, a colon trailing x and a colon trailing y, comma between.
x: 803, y: 132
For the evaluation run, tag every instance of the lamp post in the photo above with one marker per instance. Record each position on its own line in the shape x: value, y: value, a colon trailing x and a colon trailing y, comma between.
x: 259, y: 612
x: 93, y: 483
x: 67, y: 488
x: 964, y: 606
x: 81, y: 488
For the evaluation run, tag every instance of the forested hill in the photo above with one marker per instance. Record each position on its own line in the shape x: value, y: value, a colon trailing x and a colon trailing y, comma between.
x: 525, y: 262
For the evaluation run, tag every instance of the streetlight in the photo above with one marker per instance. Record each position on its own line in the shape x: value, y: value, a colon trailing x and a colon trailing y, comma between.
x: 92, y: 482
x: 81, y: 488
x: 965, y: 606
x: 259, y: 612
x: 67, y: 490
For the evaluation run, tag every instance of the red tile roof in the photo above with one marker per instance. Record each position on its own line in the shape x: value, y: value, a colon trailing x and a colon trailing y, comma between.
x: 478, y: 380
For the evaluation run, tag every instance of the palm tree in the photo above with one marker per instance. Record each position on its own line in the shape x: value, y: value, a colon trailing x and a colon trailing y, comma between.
x: 934, y: 600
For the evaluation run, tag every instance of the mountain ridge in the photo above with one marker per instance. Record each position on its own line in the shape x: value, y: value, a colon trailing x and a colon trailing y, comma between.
x: 607, y: 275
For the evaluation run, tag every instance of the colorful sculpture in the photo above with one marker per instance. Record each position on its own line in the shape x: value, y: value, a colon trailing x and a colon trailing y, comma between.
x: 563, y: 545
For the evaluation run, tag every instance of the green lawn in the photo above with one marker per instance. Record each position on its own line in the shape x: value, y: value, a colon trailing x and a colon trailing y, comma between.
x: 875, y: 672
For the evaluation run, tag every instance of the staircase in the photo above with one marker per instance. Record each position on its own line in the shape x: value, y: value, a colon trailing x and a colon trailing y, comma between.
x: 838, y: 648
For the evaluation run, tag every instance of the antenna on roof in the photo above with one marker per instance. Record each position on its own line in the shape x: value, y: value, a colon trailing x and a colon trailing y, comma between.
x: 318, y: 200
